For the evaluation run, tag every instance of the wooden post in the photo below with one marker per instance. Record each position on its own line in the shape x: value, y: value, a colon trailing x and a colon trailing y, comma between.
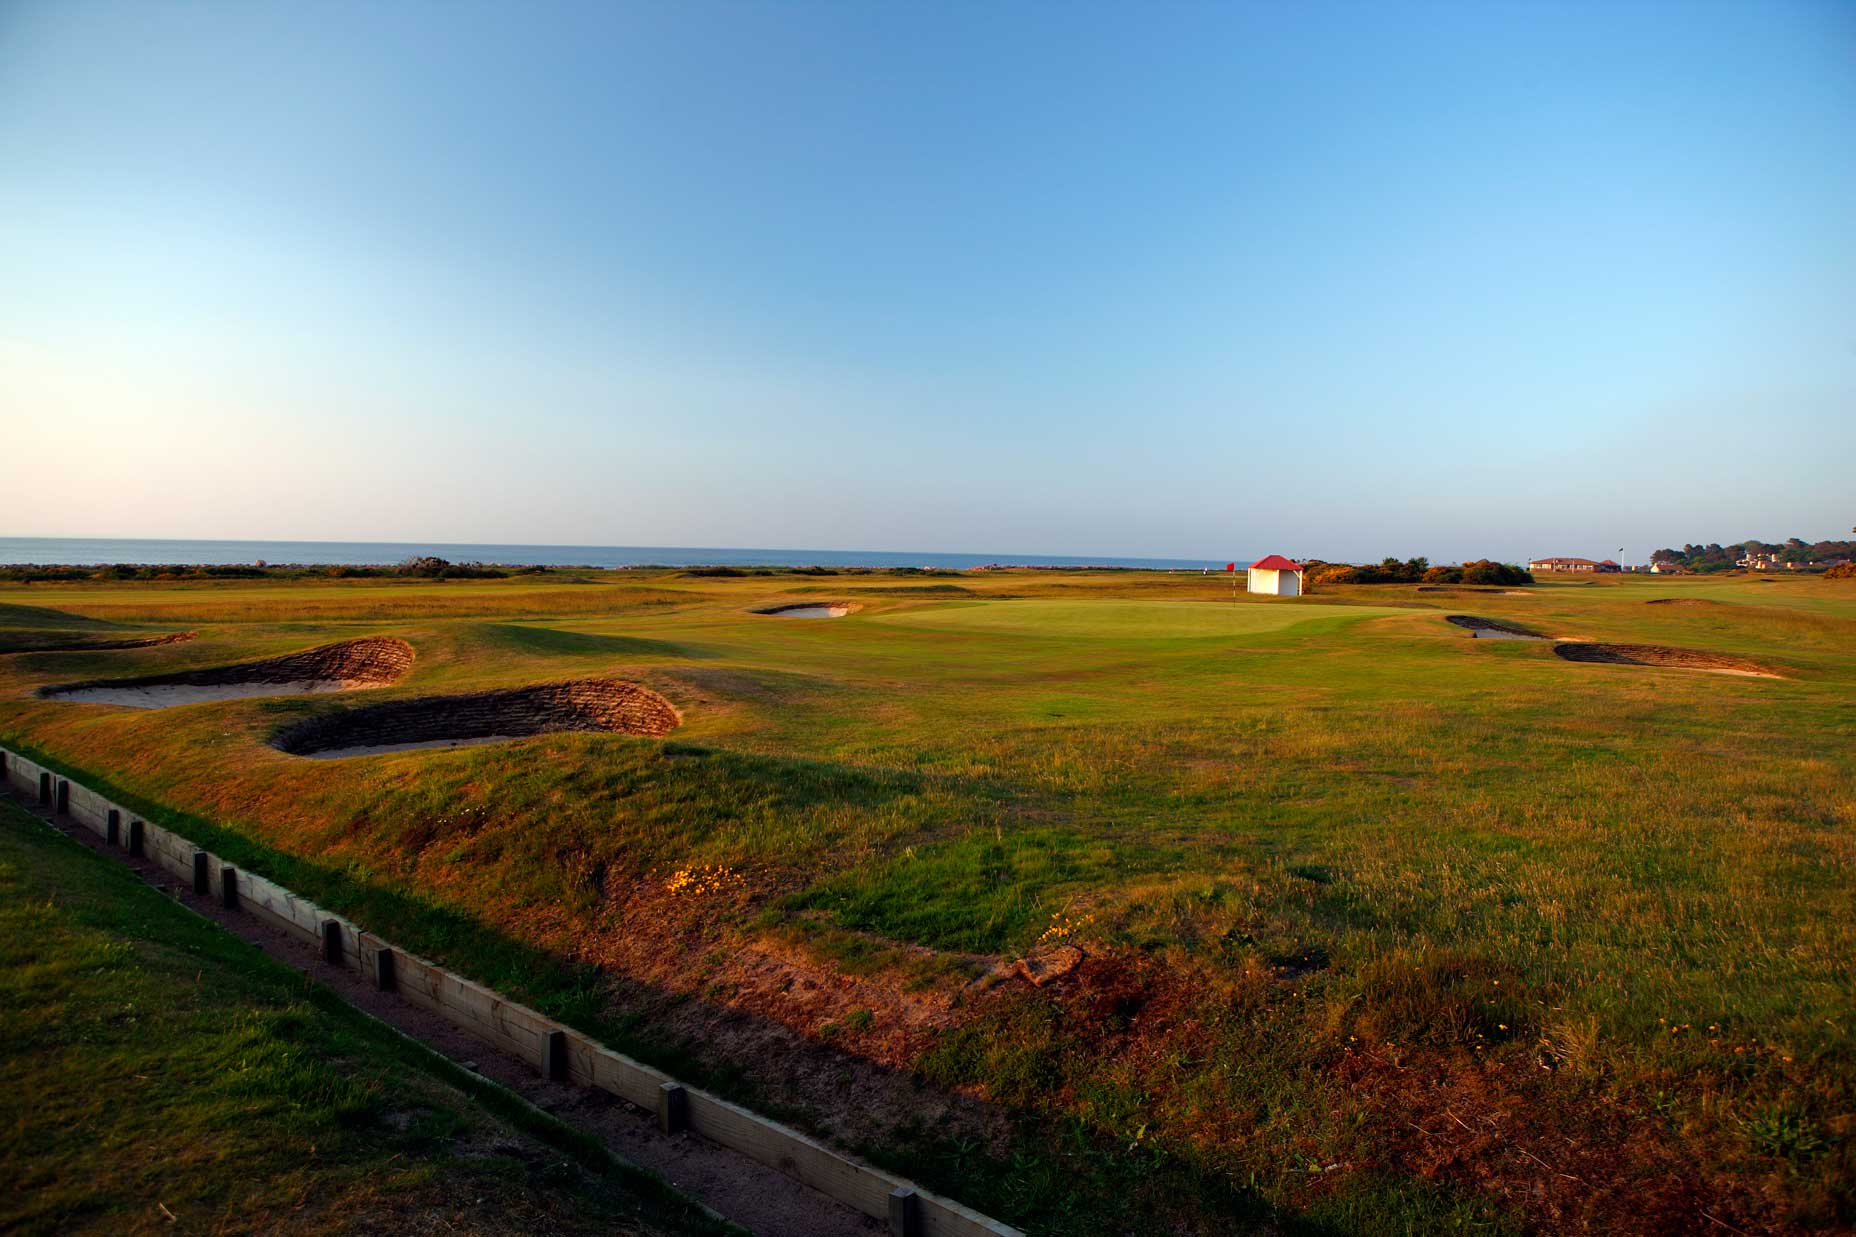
x: 673, y: 1108
x: 332, y: 942
x: 45, y: 790
x: 385, y: 978
x: 64, y: 796
x: 228, y: 888
x: 112, y: 828
x: 135, y: 839
x: 557, y: 1056
x: 905, y: 1213
x: 202, y: 883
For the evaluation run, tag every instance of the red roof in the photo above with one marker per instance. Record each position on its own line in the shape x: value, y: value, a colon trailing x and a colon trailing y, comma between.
x: 1276, y: 562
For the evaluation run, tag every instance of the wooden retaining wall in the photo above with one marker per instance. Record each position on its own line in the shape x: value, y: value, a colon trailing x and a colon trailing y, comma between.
x: 555, y: 1050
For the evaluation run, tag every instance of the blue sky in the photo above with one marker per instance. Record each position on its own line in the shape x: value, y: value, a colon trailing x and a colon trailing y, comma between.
x: 1170, y: 279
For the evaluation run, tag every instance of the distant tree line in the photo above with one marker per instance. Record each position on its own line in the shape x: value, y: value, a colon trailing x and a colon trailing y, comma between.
x: 1417, y: 571
x: 427, y: 568
x: 1716, y: 557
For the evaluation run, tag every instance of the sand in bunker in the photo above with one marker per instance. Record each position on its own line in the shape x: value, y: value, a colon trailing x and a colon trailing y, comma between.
x: 1491, y: 629
x: 351, y: 664
x: 426, y: 745
x: 1667, y: 658
x: 808, y: 611
x: 168, y: 695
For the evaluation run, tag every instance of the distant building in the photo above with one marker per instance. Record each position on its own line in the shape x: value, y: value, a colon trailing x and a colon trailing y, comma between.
x: 1276, y: 576
x: 1572, y: 564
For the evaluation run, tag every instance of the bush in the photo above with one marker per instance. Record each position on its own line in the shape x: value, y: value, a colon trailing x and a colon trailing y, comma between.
x: 1842, y: 571
x: 1386, y: 571
x: 1486, y: 571
x: 1415, y: 570
x: 430, y: 567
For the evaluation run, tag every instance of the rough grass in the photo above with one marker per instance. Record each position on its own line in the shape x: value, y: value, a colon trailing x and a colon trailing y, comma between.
x: 1318, y: 833
x: 161, y: 1074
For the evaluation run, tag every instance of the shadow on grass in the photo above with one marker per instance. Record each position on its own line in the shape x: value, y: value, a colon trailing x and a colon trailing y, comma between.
x: 12, y: 615
x: 552, y: 641
x: 39, y: 629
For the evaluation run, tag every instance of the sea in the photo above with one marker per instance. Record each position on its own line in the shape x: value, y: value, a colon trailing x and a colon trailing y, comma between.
x: 94, y: 551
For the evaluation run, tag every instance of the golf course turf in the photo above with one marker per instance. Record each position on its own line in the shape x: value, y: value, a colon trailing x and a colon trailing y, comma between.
x: 1340, y: 916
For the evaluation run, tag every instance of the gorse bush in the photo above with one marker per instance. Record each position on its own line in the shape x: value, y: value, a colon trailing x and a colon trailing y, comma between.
x: 1418, y: 570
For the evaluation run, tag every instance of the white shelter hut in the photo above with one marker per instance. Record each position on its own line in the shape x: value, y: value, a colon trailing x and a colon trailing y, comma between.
x: 1276, y: 576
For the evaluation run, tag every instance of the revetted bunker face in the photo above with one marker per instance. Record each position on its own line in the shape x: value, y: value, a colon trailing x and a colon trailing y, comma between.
x: 810, y: 609
x: 80, y: 645
x: 1664, y: 656
x: 605, y: 705
x: 373, y: 661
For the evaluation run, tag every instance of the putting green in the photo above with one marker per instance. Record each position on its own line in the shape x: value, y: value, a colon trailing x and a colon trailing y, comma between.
x: 1117, y: 619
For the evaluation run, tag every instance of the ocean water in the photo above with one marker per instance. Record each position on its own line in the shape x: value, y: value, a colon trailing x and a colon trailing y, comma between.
x: 87, y: 551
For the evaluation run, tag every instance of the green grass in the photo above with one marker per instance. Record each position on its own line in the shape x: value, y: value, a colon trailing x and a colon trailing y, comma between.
x: 162, y: 1074
x: 928, y: 784
x: 1117, y: 619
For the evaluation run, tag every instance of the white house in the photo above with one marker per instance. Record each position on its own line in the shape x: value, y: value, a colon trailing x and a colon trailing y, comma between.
x: 1275, y: 575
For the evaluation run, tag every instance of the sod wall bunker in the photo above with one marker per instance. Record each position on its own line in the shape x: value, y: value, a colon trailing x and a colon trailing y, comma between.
x: 371, y: 661
x: 101, y: 646
x: 556, y: 1051
x: 610, y: 706
x: 1664, y: 657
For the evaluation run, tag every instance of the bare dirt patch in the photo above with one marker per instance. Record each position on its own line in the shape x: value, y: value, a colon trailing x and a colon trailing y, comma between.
x: 605, y: 705
x: 372, y: 661
x: 1665, y: 657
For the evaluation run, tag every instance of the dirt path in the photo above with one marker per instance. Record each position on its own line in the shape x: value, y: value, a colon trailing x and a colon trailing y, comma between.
x: 758, y: 1198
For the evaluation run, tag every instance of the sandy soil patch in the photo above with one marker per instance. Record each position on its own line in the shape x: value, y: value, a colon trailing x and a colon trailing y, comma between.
x: 347, y: 666
x: 609, y: 706
x: 1665, y: 657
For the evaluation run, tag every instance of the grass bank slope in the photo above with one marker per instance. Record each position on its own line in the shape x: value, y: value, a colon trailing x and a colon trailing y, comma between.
x: 162, y: 1075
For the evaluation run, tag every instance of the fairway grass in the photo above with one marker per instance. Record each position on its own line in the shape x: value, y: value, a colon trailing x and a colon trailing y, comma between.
x: 1118, y: 619
x: 1382, y: 926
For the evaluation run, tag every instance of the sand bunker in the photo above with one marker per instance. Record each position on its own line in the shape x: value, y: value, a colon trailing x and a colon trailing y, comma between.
x: 1492, y: 629
x: 92, y: 646
x: 810, y: 609
x: 1668, y: 658
x: 347, y: 666
x: 605, y: 705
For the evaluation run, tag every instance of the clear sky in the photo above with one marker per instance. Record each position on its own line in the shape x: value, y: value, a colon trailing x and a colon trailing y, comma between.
x: 1169, y: 279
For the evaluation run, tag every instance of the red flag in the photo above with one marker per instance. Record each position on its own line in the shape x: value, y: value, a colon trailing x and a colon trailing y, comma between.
x: 1230, y: 566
